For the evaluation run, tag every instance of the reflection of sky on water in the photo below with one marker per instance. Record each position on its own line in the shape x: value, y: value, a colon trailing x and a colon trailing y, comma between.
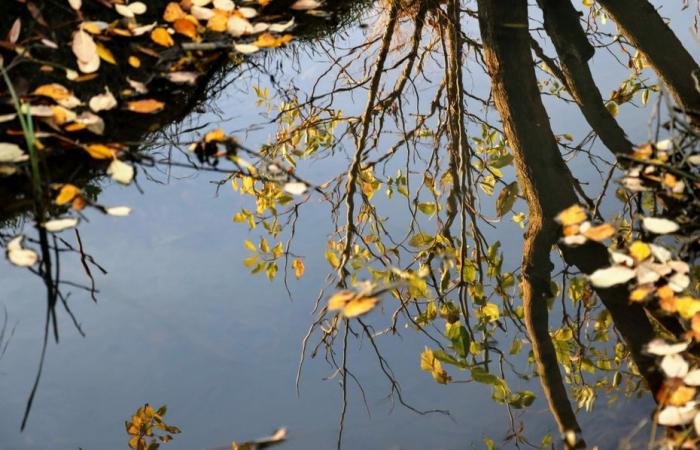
x: 181, y: 322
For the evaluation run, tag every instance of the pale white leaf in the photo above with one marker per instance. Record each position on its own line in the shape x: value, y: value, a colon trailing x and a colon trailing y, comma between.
x: 574, y: 239
x: 137, y: 8
x: 662, y: 254
x: 679, y: 282
x: 665, y: 145
x: 75, y: 4
x: 659, y: 225
x: 672, y: 416
x: 246, y: 49
x: 20, y: 256
x: 83, y: 46
x: 224, y: 5
x: 121, y: 172
x: 611, y: 276
x: 202, y: 13
x: 248, y: 13
x: 124, y: 10
x: 11, y: 153
x: 103, y: 102
x: 621, y: 258
x: 302, y: 5
x: 692, y: 378
x: 58, y: 225
x: 674, y: 366
x: 295, y: 188
x: 119, y: 211
x: 281, y: 27
x: 238, y: 26
x: 661, y: 348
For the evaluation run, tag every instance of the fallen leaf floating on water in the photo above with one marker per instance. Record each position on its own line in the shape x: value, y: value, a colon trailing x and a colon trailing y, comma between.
x: 11, y: 153
x: 131, y: 10
x: 295, y: 188
x: 118, y: 211
x: 182, y: 77
x: 246, y: 49
x: 99, y: 151
x: 572, y: 215
x: 277, y: 437
x: 611, y: 276
x: 224, y: 5
x: 85, y: 50
x: 352, y: 304
x: 280, y: 27
x: 58, y: 93
x: 148, y: 106
x: 103, y: 102
x: 266, y: 40
x: 639, y: 250
x: 600, y: 232
x: 302, y: 5
x: 161, y: 37
x: 121, y: 172
x: 674, y: 366
x: 238, y: 26
x: 19, y: 256
x: 15, y: 30
x: 660, y: 347
x: 185, y: 27
x: 173, y: 12
x: 659, y: 225
x: 66, y: 194
x: 75, y: 4
x: 201, y: 13
x: 58, y: 225
x: 672, y: 416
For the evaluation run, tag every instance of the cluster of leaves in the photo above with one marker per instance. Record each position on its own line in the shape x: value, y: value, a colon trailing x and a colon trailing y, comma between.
x: 147, y: 429
x: 653, y: 258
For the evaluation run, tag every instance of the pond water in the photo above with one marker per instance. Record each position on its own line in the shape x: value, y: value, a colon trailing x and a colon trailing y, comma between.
x: 180, y: 321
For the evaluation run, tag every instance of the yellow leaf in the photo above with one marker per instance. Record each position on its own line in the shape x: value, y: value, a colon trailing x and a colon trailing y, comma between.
x: 572, y: 215
x: 600, y: 233
x: 218, y: 22
x: 298, y: 265
x: 359, y: 305
x: 134, y: 62
x: 105, y: 53
x: 687, y: 306
x: 217, y: 135
x: 66, y: 194
x: 99, y: 151
x: 161, y: 37
x: 145, y: 106
x: 173, y: 12
x: 639, y: 250
x: 639, y: 294
x: 681, y: 395
x: 54, y: 91
x: 270, y: 41
x: 339, y: 300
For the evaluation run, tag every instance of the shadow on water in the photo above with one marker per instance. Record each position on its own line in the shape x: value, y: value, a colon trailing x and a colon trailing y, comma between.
x: 410, y: 159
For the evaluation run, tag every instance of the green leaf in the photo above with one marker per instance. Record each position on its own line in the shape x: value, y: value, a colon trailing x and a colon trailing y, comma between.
x: 427, y: 208
x: 480, y: 375
x: 457, y: 334
x: 490, y: 310
x: 506, y: 199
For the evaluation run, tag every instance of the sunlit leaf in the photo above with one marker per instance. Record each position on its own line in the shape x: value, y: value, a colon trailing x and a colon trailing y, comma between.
x: 161, y: 37
x: 600, y: 232
x: 147, y: 106
x: 66, y: 194
x: 672, y: 416
x: 661, y: 348
x: 11, y: 153
x: 298, y: 266
x: 20, y: 256
x: 572, y: 215
x: 121, y: 172
x: 611, y: 276
x: 659, y: 225
x: 118, y: 211
x: 58, y: 225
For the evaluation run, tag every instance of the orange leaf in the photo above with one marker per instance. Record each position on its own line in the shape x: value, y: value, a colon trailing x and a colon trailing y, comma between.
x: 600, y: 233
x: 99, y: 151
x: 66, y: 194
x: 173, y: 12
x: 54, y: 91
x: 161, y: 37
x: 270, y: 41
x: 215, y: 136
x: 145, y: 106
x: 186, y: 28
x: 134, y: 62
x: 218, y: 23
x: 79, y: 203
